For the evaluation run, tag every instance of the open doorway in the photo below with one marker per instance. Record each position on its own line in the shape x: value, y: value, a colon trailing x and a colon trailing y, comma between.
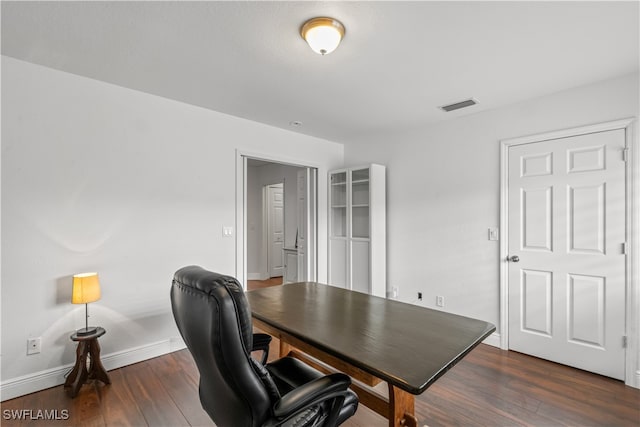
x: 270, y: 249
x: 277, y: 221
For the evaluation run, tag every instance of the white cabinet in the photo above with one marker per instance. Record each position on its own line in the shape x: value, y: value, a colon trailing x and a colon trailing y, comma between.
x: 291, y: 259
x: 357, y: 229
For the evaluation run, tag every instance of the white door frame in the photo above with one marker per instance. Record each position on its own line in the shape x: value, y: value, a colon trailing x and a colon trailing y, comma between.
x: 241, y: 211
x: 632, y: 368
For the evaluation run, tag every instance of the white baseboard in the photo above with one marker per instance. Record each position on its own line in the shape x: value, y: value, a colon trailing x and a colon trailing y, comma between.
x: 55, y: 376
x: 493, y: 340
x: 256, y: 276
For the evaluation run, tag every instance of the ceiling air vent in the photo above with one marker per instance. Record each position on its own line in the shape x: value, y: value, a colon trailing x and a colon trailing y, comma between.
x: 458, y: 105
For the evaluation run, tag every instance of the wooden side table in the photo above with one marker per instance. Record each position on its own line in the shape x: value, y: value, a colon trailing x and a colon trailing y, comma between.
x: 87, y: 347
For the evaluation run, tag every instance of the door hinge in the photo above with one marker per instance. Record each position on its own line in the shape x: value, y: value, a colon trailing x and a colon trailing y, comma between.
x: 625, y: 154
x: 624, y: 341
x: 624, y: 249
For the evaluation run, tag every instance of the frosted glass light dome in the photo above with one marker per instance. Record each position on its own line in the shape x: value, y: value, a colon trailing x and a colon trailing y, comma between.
x: 322, y: 34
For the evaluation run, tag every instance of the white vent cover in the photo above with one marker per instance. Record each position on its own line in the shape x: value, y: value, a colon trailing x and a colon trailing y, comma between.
x: 458, y: 105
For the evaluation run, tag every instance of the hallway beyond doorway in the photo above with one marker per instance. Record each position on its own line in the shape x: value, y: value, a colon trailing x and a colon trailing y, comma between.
x: 259, y: 284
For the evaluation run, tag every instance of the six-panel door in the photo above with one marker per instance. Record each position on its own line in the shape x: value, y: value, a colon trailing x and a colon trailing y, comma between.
x: 567, y: 227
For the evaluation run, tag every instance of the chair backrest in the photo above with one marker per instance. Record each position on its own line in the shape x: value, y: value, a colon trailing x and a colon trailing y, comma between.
x: 214, y: 319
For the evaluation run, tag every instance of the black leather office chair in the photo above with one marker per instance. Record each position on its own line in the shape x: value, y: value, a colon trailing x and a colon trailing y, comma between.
x: 214, y: 318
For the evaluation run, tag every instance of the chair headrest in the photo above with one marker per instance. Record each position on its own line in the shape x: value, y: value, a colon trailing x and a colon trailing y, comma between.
x: 218, y: 287
x: 198, y: 278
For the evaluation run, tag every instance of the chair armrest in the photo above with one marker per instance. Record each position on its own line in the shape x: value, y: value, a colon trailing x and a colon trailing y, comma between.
x: 312, y: 393
x: 261, y: 343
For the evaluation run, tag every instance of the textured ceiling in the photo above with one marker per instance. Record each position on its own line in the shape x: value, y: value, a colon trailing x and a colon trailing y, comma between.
x: 397, y: 63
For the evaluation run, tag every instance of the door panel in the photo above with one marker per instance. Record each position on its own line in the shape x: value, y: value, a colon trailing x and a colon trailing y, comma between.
x: 537, y: 208
x: 338, y: 260
x: 301, y: 237
x: 586, y: 219
x: 567, y: 226
x: 536, y: 288
x: 306, y: 231
x: 586, y: 310
x: 360, y: 265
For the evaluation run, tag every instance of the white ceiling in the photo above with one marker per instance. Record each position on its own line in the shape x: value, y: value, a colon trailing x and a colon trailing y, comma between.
x: 397, y: 63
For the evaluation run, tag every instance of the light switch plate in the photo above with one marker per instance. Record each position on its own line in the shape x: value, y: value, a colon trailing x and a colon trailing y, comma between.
x: 227, y: 231
x: 493, y: 233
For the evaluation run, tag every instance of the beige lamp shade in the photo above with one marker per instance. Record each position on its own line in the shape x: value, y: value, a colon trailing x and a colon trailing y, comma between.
x: 86, y: 288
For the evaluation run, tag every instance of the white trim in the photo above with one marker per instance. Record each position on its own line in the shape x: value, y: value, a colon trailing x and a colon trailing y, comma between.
x: 264, y: 261
x: 241, y: 217
x: 633, y: 228
x: 565, y: 133
x: 256, y: 276
x: 493, y: 340
x: 56, y: 376
x: 633, y: 257
x: 504, y: 244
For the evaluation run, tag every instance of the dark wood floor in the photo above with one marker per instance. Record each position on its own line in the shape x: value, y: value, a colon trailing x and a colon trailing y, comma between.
x: 259, y: 284
x: 490, y: 387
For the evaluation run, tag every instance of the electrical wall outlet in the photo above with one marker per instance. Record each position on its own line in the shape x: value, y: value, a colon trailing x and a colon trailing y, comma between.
x: 34, y: 345
x: 440, y: 301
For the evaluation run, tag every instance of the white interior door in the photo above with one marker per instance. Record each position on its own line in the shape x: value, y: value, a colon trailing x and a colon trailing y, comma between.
x: 301, y: 237
x: 275, y: 220
x: 567, y: 213
x: 306, y: 242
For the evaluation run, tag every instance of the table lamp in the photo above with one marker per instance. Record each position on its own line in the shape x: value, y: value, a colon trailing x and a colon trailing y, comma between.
x: 86, y: 289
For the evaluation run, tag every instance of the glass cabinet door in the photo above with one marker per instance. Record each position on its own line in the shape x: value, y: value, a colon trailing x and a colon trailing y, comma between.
x: 360, y: 203
x: 339, y: 204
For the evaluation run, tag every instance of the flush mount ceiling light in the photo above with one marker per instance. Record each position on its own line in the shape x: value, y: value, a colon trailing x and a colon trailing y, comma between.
x: 322, y: 34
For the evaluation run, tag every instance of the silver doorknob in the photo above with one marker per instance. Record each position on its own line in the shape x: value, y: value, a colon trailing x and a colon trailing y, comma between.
x: 513, y: 258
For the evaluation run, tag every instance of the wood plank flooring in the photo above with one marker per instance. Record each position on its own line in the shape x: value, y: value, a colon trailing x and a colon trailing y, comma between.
x: 490, y: 387
x: 259, y: 284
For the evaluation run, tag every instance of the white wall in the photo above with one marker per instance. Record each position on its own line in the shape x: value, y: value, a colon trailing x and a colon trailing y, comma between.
x: 257, y: 178
x: 97, y: 177
x: 443, y: 191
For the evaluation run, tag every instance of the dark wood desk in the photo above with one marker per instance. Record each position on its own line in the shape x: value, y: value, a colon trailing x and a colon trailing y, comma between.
x: 371, y: 339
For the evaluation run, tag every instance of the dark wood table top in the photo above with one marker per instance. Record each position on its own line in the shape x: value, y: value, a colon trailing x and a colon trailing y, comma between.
x: 406, y: 345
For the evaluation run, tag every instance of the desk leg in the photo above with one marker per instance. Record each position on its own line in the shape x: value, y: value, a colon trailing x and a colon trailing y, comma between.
x: 285, y: 348
x: 401, y: 408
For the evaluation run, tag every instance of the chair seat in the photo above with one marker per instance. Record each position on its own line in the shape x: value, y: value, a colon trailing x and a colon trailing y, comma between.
x: 289, y: 373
